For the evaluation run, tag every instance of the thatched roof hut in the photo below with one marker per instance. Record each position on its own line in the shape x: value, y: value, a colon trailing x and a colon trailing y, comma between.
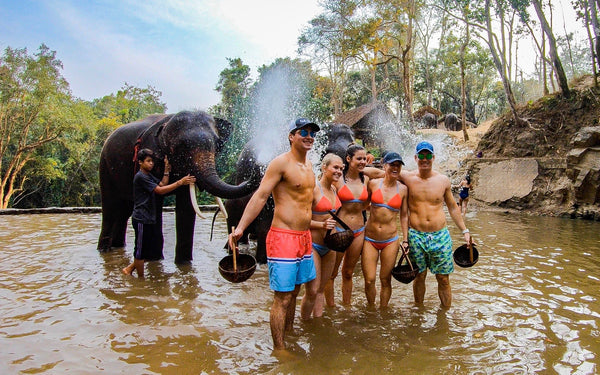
x: 363, y: 120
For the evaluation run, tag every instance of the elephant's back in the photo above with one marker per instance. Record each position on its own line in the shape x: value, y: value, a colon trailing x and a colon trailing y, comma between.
x: 117, y: 162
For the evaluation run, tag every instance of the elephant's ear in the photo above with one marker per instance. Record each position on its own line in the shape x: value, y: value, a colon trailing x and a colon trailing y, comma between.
x: 224, y: 128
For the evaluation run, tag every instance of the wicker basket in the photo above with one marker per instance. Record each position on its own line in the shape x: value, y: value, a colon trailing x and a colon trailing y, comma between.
x: 405, y: 273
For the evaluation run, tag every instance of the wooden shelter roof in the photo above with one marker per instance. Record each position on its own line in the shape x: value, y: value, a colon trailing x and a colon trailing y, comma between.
x: 362, y: 120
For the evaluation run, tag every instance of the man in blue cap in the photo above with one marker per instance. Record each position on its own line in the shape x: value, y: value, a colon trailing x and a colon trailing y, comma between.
x: 428, y: 236
x: 291, y: 180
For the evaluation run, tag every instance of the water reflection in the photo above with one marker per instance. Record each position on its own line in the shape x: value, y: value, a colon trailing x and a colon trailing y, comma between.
x: 528, y: 306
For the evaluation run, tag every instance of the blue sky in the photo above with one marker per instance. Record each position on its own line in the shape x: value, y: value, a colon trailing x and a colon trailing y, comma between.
x: 177, y: 46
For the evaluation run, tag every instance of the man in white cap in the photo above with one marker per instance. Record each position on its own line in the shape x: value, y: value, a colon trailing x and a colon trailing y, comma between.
x: 291, y: 180
x: 428, y: 236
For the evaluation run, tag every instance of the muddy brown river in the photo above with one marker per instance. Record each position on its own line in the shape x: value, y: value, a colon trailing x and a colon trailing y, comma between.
x: 530, y: 305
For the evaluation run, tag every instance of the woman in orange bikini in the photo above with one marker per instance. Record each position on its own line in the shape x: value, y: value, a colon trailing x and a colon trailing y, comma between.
x: 381, y: 233
x: 324, y: 199
x: 353, y: 194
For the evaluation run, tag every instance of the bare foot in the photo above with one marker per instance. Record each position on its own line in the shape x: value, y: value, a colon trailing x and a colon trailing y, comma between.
x: 284, y: 355
x: 128, y: 270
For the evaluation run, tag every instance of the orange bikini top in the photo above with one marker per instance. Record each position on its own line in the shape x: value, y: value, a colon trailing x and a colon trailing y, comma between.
x: 324, y: 205
x: 346, y: 195
x: 393, y: 204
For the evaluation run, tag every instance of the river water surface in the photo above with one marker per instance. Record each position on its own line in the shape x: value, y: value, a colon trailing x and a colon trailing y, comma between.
x: 530, y: 305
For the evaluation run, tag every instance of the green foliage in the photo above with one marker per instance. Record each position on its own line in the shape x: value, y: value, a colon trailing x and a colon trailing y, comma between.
x: 129, y: 104
x: 50, y: 142
x: 35, y: 111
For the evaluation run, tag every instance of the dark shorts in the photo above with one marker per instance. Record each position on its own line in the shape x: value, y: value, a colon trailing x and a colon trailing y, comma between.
x: 148, y: 241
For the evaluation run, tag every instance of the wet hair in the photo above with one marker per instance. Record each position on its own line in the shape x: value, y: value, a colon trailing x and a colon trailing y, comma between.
x: 350, y: 152
x: 468, y: 178
x: 144, y: 153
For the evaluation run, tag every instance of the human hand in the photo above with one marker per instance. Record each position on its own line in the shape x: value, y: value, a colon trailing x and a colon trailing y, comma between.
x: 233, y: 238
x: 187, y: 180
x: 329, y: 224
x: 167, y: 165
x: 404, y: 246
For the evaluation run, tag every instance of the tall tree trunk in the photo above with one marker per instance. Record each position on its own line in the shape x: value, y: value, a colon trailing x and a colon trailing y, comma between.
x: 543, y: 60
x: 407, y: 54
x: 558, y: 68
x: 500, y: 64
x: 589, y: 10
x: 463, y: 91
x: 593, y: 14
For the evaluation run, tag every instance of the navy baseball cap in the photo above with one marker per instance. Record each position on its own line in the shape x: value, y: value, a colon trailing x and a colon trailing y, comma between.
x: 391, y: 157
x: 424, y: 146
x: 302, y: 122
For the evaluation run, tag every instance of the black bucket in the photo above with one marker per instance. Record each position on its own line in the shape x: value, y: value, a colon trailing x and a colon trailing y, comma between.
x: 246, y: 265
x: 463, y: 258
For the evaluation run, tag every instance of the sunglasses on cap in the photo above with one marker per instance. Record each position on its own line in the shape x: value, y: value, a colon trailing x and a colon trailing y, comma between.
x: 425, y: 156
x: 304, y: 133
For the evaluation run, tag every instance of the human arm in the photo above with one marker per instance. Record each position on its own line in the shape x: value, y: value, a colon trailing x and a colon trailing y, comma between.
x: 164, y: 187
x: 455, y: 213
x: 404, y: 218
x: 373, y: 172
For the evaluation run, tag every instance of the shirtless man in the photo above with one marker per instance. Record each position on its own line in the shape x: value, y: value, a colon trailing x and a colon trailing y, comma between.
x: 428, y: 236
x: 291, y: 180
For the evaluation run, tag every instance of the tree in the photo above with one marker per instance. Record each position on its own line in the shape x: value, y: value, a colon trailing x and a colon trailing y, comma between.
x: 233, y: 85
x: 129, y: 104
x: 34, y: 111
x: 561, y: 77
x: 328, y: 42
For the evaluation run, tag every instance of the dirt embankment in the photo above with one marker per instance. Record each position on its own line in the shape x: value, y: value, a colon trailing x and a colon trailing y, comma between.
x: 548, y: 164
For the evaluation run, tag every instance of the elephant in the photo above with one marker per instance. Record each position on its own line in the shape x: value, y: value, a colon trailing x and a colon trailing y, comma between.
x: 429, y: 121
x: 339, y: 137
x: 451, y: 122
x: 249, y: 168
x: 190, y: 141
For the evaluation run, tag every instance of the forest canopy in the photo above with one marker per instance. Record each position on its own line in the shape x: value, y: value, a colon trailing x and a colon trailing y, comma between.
x: 454, y: 56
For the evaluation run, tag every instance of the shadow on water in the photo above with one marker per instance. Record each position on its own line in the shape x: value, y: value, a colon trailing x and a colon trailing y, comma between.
x: 530, y: 305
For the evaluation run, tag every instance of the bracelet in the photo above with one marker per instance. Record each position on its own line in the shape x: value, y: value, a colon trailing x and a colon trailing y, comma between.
x: 465, y: 231
x: 166, y: 174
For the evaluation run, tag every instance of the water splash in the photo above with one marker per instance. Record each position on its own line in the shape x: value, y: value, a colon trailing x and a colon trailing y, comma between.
x: 398, y: 135
x: 279, y: 97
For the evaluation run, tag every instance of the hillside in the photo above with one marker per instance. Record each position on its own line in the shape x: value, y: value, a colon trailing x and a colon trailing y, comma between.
x: 548, y: 164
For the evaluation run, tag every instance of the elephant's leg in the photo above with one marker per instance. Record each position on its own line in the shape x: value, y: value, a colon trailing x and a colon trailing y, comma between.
x: 105, y: 238
x: 185, y: 219
x: 119, y: 230
x: 261, y: 242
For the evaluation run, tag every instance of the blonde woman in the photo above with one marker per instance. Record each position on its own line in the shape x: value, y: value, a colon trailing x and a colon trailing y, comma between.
x: 388, y: 202
x: 352, y: 192
x: 325, y: 199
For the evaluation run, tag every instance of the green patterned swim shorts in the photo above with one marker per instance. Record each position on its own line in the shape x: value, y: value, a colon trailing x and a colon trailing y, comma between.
x: 431, y: 250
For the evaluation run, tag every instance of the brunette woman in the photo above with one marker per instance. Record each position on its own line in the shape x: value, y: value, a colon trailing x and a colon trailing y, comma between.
x: 352, y: 192
x: 388, y: 202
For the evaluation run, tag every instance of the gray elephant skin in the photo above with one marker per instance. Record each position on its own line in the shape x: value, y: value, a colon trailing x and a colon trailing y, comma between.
x: 339, y: 136
x: 451, y: 122
x: 190, y: 141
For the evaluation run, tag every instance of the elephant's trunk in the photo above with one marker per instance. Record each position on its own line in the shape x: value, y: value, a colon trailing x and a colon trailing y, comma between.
x: 209, y: 180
